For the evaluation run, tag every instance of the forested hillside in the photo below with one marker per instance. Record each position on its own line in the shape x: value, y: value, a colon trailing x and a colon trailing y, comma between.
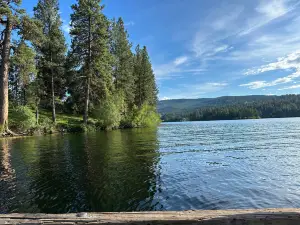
x: 238, y: 107
x: 96, y: 76
x: 177, y: 105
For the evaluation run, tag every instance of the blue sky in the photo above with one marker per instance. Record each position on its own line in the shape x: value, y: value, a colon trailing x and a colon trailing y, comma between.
x: 210, y: 48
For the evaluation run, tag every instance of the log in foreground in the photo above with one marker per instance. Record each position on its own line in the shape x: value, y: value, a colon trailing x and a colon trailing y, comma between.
x: 256, y: 216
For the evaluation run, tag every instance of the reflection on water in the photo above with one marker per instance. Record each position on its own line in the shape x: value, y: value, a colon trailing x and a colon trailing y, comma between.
x: 105, y: 171
x: 179, y: 166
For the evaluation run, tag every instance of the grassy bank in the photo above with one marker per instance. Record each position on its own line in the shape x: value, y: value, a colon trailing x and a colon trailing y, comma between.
x: 23, y: 121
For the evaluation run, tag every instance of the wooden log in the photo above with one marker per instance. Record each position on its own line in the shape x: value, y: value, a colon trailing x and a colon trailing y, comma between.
x: 203, y: 217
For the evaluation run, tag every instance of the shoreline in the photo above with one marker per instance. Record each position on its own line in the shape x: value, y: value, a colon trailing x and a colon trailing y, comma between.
x: 230, y: 119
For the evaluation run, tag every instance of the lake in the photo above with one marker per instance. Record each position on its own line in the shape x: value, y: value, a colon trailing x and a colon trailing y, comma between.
x: 178, y: 166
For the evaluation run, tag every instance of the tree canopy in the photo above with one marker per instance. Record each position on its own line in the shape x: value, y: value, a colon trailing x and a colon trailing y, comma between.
x: 97, y: 76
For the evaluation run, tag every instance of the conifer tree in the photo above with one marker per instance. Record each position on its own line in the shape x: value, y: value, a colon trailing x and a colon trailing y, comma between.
x: 24, y: 70
x: 12, y: 17
x: 145, y: 85
x: 51, y: 54
x: 123, y: 61
x: 90, y: 51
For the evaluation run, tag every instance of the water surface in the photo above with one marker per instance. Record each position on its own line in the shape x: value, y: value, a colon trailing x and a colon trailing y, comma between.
x: 178, y: 166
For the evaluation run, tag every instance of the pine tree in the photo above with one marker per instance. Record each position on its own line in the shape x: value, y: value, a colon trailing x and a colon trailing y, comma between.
x: 145, y: 85
x: 138, y: 76
x: 24, y: 70
x: 123, y: 61
x: 12, y: 17
x: 90, y: 51
x: 149, y: 85
x: 51, y: 54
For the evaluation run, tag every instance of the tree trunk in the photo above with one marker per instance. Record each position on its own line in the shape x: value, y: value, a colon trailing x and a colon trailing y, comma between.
x: 52, y: 92
x: 37, y: 102
x: 87, y: 87
x: 24, y: 96
x: 4, y: 78
x: 87, y: 99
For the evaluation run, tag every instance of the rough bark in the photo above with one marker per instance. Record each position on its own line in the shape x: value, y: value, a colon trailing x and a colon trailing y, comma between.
x: 87, y: 99
x: 37, y: 111
x: 52, y: 93
x: 4, y: 78
x: 53, y: 100
x: 87, y: 87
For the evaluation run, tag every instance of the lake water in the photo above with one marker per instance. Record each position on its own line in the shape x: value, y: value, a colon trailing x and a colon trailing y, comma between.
x: 178, y: 166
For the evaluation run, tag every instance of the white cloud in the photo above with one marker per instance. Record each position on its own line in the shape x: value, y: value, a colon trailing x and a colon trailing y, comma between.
x: 164, y: 98
x: 176, y: 68
x: 247, y: 34
x: 290, y: 87
x: 291, y: 61
x: 66, y: 28
x: 272, y: 8
x: 262, y: 84
x: 267, y: 11
x: 130, y: 23
x: 180, y: 60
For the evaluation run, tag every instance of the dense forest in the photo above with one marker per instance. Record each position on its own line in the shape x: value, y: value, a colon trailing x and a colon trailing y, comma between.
x: 266, y: 107
x: 46, y: 84
x: 179, y: 105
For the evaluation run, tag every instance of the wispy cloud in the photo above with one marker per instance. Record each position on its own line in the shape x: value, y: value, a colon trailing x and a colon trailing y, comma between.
x: 289, y: 62
x: 281, y: 80
x: 267, y: 11
x: 129, y: 23
x: 290, y: 87
x: 195, y: 90
x: 66, y: 27
x: 180, y: 60
x: 254, y: 33
x: 177, y: 67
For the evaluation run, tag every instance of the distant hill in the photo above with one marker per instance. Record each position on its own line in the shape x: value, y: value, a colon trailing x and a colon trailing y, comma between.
x: 179, y: 105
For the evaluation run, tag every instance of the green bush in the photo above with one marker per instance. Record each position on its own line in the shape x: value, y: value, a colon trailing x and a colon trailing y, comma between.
x: 108, y: 114
x: 47, y: 125
x: 146, y: 116
x: 21, y: 118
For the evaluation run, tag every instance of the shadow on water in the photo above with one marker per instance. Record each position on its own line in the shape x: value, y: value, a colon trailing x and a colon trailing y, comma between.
x: 103, y: 171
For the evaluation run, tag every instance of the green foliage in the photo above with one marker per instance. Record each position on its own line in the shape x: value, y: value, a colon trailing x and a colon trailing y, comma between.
x: 145, y: 86
x: 21, y: 118
x: 108, y: 113
x: 100, y: 73
x: 123, y: 60
x: 146, y: 116
x: 23, y: 70
x: 89, y: 56
x: 260, y: 107
x: 51, y: 52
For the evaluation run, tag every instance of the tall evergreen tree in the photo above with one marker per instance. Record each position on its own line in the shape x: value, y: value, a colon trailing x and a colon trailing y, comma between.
x: 145, y: 85
x: 12, y: 17
x: 123, y: 61
x: 51, y: 54
x: 23, y: 71
x: 90, y: 51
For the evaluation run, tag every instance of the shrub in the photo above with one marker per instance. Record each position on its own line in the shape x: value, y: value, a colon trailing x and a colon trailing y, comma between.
x: 47, y: 125
x: 146, y: 116
x: 108, y: 114
x: 21, y: 118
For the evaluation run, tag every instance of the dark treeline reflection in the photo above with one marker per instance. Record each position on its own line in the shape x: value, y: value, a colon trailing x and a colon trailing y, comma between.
x: 104, y: 171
